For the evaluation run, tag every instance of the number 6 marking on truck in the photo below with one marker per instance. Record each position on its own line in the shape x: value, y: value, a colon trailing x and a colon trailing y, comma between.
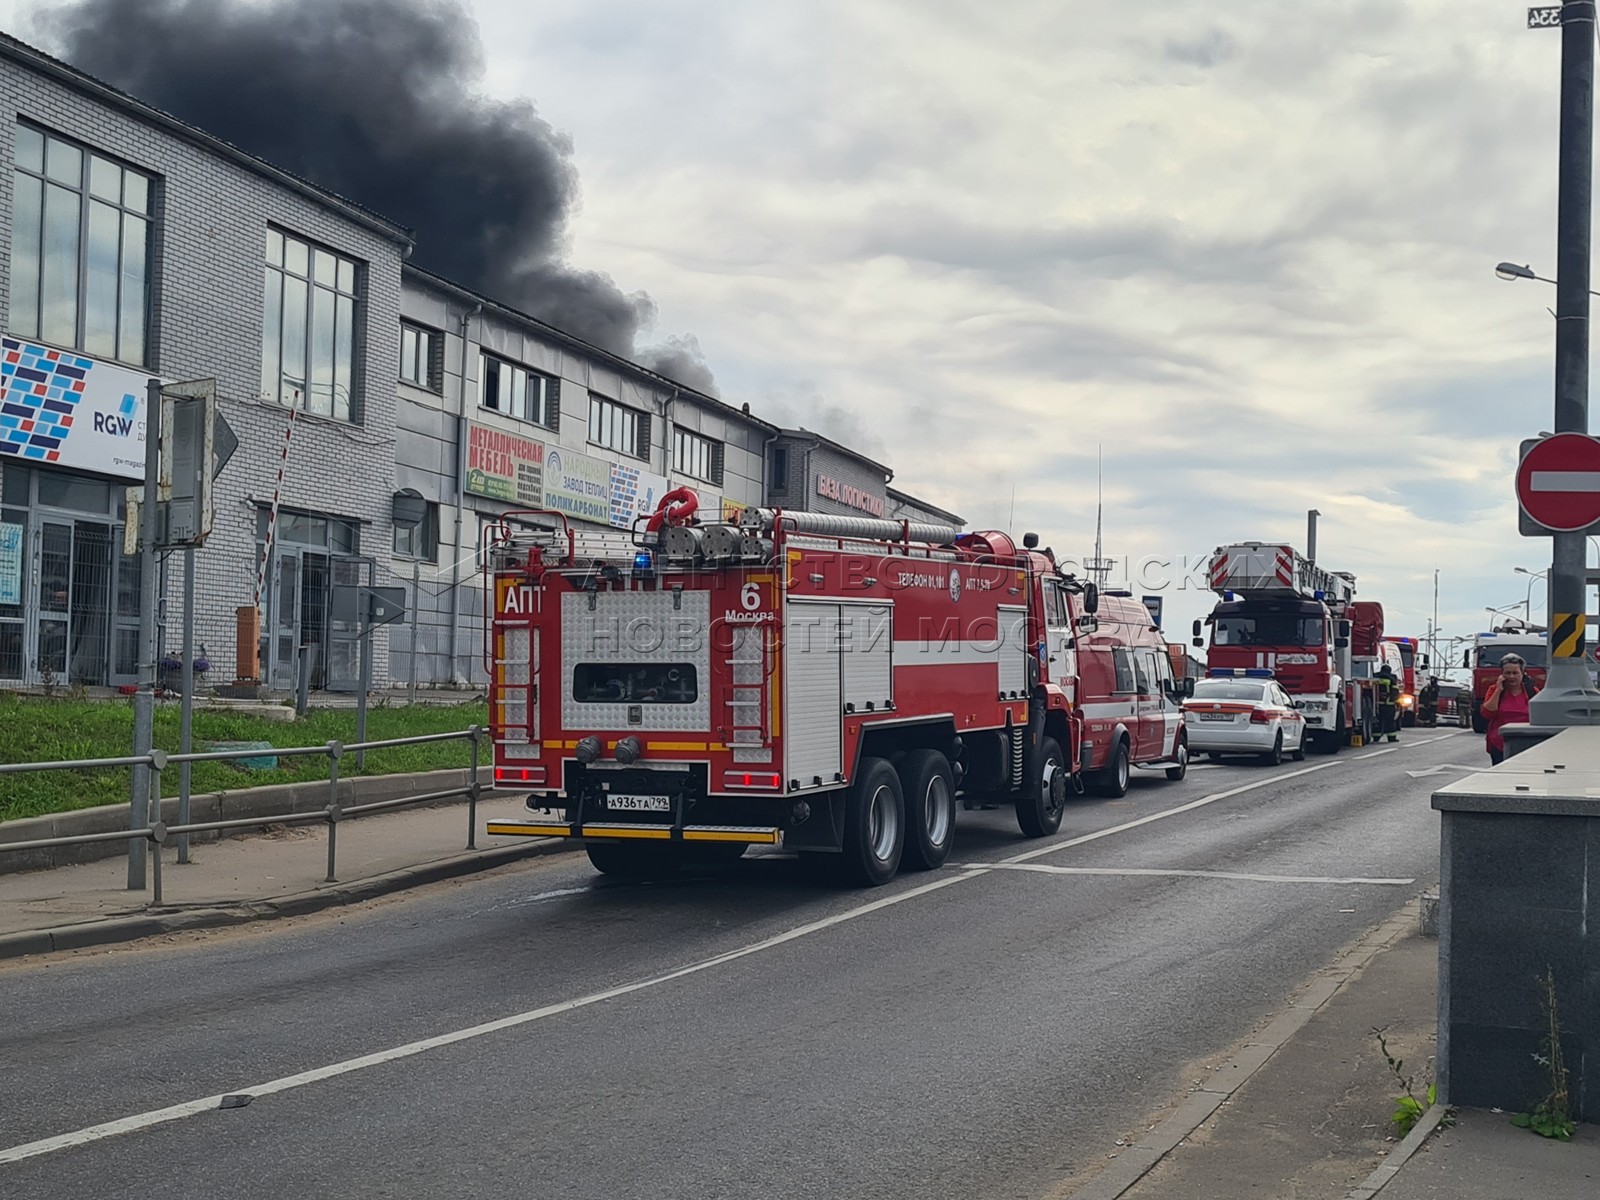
x: 750, y: 597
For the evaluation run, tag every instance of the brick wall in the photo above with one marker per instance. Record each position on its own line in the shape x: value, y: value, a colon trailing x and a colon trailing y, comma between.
x: 212, y: 216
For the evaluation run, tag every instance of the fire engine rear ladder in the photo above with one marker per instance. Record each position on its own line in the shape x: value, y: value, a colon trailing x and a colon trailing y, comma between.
x: 748, y: 702
x: 515, y: 718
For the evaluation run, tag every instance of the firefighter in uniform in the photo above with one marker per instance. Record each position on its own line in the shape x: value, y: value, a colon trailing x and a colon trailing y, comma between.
x: 1428, y: 703
x: 1388, y: 703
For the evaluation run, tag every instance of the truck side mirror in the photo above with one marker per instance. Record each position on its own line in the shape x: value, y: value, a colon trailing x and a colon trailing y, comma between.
x: 1199, y: 643
x: 1340, y: 643
x: 1196, y: 632
x: 1465, y: 656
x: 1424, y: 662
x: 1088, y: 624
x: 1342, y: 629
x: 1091, y: 598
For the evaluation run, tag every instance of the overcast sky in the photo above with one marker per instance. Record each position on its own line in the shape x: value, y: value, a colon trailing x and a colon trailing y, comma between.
x: 1246, y: 248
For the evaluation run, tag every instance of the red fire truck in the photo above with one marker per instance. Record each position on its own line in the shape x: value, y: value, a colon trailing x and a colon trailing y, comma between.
x: 1281, y: 612
x: 1411, y: 660
x: 829, y: 684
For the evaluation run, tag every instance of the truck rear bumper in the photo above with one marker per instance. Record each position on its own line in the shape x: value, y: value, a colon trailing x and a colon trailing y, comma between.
x: 619, y: 831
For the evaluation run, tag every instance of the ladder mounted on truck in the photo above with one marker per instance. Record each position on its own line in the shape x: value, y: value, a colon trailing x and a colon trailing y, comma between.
x: 1276, y: 569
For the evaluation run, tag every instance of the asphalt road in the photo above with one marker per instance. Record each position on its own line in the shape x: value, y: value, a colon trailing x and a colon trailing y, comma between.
x: 985, y: 1030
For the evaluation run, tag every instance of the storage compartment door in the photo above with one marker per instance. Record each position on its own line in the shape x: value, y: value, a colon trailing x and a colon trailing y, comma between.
x: 813, y: 685
x: 867, y: 644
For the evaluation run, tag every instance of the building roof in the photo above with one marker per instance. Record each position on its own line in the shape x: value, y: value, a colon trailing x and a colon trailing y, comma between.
x: 33, y: 59
x: 896, y: 496
x: 461, y: 291
x: 808, y: 435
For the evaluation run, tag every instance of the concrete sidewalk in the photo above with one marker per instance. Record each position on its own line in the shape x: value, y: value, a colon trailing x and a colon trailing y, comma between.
x: 277, y: 873
x: 1312, y: 1121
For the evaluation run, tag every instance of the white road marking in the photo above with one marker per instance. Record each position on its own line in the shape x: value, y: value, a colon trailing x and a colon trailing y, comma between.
x: 1442, y: 768
x: 1165, y: 813
x: 1050, y: 869
x: 191, y: 1108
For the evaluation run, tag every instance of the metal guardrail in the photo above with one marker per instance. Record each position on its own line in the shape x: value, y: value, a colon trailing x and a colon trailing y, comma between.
x: 157, y: 832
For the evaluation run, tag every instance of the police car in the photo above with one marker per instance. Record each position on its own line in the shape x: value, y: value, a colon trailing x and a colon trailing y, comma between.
x: 1244, y: 711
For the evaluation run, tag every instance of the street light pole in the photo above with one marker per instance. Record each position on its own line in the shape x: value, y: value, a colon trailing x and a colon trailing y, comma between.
x: 1569, y: 697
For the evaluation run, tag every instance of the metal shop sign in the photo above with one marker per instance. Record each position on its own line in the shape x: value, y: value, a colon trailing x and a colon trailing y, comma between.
x: 634, y: 492
x: 505, y: 466
x: 61, y: 408
x: 850, y: 497
x: 577, y: 485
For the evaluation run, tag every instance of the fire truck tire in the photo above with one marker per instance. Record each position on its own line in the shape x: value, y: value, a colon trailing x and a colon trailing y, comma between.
x: 1112, y: 779
x: 625, y: 860
x: 1180, y: 767
x: 1039, y: 808
x: 874, y: 824
x: 930, y: 792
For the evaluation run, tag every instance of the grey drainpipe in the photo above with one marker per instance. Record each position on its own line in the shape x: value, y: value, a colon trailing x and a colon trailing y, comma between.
x: 667, y: 407
x: 458, y: 677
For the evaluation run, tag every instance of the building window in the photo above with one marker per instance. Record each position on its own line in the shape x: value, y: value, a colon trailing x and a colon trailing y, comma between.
x: 308, y: 340
x: 618, y: 427
x: 504, y: 387
x: 700, y: 457
x: 421, y: 356
x: 780, y: 469
x: 80, y: 249
x: 421, y: 540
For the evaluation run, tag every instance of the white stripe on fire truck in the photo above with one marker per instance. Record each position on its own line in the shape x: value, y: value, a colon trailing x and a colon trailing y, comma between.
x: 918, y: 652
x: 1110, y: 708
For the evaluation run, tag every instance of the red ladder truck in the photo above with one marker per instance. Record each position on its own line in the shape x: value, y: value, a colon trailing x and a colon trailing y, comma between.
x: 1281, y: 612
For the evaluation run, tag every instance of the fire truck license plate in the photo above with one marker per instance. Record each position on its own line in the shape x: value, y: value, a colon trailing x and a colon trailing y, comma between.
x: 639, y: 803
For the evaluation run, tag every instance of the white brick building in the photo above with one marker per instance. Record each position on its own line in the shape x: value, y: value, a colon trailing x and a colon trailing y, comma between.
x: 147, y: 247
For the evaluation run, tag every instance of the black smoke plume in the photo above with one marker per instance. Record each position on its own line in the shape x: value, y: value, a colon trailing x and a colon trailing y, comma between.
x: 377, y: 100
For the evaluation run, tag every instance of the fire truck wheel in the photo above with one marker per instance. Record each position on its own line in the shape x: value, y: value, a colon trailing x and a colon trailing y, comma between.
x: 1039, y: 808
x: 930, y: 792
x: 1113, y: 777
x: 627, y: 861
x: 874, y: 824
x: 1180, y: 768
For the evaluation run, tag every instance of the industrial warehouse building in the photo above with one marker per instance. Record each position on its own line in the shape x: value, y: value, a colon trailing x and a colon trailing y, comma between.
x: 133, y: 246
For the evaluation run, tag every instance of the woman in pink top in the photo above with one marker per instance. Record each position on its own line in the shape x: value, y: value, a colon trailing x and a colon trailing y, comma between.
x: 1507, y: 703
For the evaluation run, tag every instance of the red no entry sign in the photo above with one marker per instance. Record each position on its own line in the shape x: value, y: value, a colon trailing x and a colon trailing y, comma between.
x: 1558, y: 482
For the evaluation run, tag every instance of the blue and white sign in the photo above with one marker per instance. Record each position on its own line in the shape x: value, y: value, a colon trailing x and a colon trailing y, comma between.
x: 10, y: 563
x: 63, y: 409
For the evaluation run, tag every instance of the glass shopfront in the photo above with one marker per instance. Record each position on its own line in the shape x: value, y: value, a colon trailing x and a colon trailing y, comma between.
x: 312, y: 554
x: 69, y: 597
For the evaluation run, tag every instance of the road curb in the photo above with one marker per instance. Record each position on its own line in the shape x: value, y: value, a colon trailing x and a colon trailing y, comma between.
x: 1420, y: 1132
x: 1134, y: 1162
x: 114, y: 930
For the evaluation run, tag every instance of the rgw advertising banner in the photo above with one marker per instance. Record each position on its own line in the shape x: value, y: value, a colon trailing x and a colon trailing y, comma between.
x: 65, y: 410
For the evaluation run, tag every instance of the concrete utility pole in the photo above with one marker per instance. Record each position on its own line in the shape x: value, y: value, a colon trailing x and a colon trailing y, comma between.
x: 1569, y: 698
